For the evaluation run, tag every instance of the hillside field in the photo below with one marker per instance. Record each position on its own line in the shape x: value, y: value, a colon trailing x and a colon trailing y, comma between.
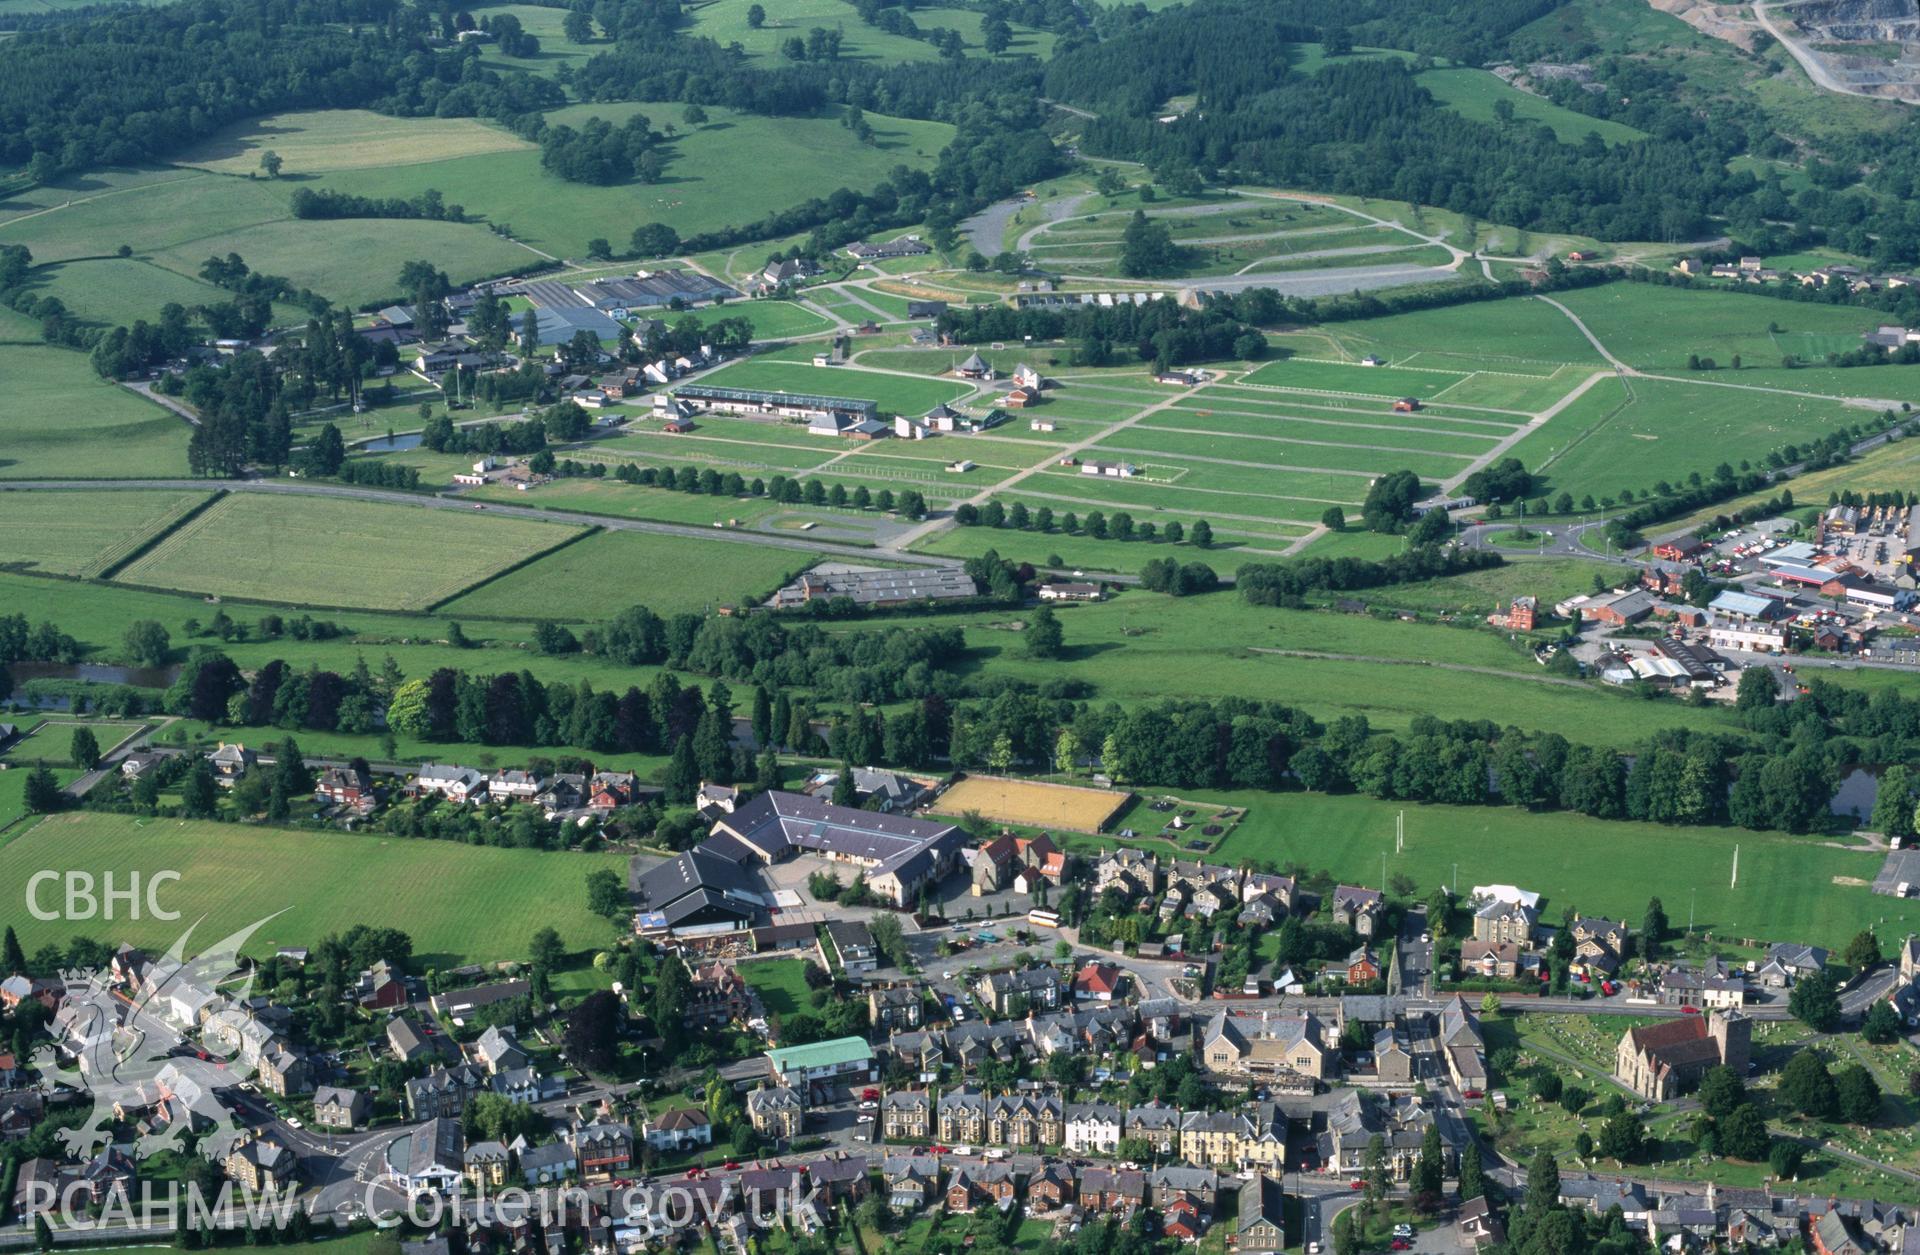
x: 459, y: 903
x: 736, y: 168
x: 327, y: 551
x: 60, y: 420
x: 174, y: 219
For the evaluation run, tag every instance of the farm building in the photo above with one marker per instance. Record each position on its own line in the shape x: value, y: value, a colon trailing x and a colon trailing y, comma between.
x: 1406, y: 405
x: 907, y: 247
x: 876, y: 586
x: 1112, y: 470
x: 651, y: 289
x: 795, y: 405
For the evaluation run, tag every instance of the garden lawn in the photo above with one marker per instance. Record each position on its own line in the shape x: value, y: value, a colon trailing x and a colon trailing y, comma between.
x: 459, y: 903
x: 731, y: 171
x: 1787, y: 889
x: 781, y: 983
x: 326, y: 551
x: 62, y: 421
x: 83, y: 533
x: 893, y: 393
x: 604, y: 574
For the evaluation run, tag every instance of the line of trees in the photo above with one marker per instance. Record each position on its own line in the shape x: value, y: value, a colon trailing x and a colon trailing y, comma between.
x: 908, y: 502
x: 1096, y: 525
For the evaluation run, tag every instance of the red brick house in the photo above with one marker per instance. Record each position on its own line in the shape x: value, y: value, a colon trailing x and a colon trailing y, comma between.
x: 1362, y: 967
x: 1683, y: 550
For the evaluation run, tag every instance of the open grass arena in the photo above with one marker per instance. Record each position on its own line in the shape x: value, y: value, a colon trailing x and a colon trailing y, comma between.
x: 459, y: 903
x: 346, y: 139
x: 1033, y: 803
x: 323, y: 551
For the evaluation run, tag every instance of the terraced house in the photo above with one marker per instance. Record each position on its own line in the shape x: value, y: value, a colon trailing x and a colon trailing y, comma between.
x: 907, y: 1115
x: 1235, y: 1139
x: 1026, y: 1120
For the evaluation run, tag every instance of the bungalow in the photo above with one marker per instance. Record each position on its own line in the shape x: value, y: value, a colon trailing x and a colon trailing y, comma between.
x: 1071, y: 592
x: 1098, y: 982
x: 456, y: 784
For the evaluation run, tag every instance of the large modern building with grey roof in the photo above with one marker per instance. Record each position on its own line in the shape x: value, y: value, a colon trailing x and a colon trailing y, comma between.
x: 898, y: 855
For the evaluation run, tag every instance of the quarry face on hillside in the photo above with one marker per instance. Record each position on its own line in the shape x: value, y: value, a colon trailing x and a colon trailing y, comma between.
x: 1861, y: 47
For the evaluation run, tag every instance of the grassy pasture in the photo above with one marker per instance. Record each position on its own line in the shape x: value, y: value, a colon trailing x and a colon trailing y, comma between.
x: 459, y: 903
x: 345, y: 139
x: 62, y: 421
x: 1656, y: 328
x: 352, y: 264
x: 772, y: 320
x: 892, y: 393
x: 1474, y: 93
x: 174, y: 219
x: 726, y: 22
x: 82, y: 533
x: 1282, y: 496
x: 1605, y: 442
x: 604, y: 574
x: 732, y: 170
x: 1787, y: 888
x: 607, y: 496
x: 328, y: 551
x: 102, y: 290
x: 548, y: 25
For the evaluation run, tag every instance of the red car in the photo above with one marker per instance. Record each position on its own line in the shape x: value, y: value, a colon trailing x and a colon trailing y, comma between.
x: 1690, y: 1010
x: 694, y: 1174
x: 1356, y: 1185
x: 1400, y: 1244
x: 1471, y: 1093
x: 1608, y: 988
x: 730, y: 1165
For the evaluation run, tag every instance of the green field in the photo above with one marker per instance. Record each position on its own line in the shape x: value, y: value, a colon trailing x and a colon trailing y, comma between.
x: 892, y: 393
x: 459, y: 903
x: 99, y: 290
x: 1787, y: 889
x: 772, y: 320
x: 83, y: 533
x: 1081, y: 552
x: 1473, y: 93
x: 326, y: 551
x: 735, y: 169
x: 1657, y: 328
x: 346, y: 139
x: 174, y: 219
x: 13, y: 785
x: 604, y: 574
x: 1608, y: 441
x: 726, y: 22
x: 52, y: 741
x: 60, y: 420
